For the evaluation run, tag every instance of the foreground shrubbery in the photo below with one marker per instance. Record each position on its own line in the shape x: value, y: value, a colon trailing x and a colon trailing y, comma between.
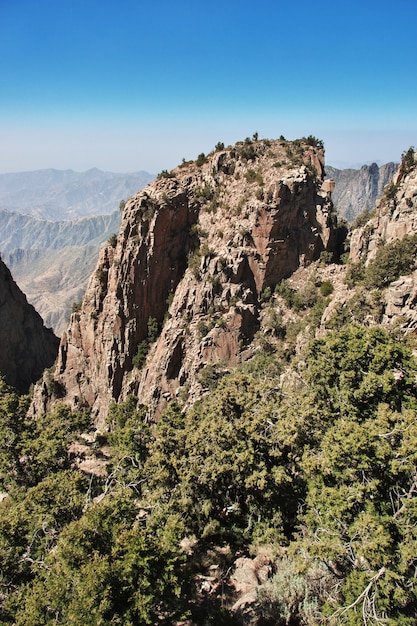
x: 317, y: 462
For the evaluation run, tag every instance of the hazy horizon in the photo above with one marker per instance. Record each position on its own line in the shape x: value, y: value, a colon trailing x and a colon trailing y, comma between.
x: 338, y: 165
x: 132, y: 87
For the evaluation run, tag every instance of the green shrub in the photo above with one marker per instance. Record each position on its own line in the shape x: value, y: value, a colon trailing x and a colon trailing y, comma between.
x: 142, y: 350
x: 313, y: 141
x: 288, y: 594
x: 206, y: 193
x: 253, y: 176
x: 326, y: 288
x: 201, y: 159
x: 306, y: 297
x: 326, y: 257
x: 250, y: 175
x: 112, y: 240
x: 363, y: 218
x: 390, y: 191
x: 408, y: 160
x: 266, y: 294
x: 391, y: 261
x: 165, y: 174
x: 286, y: 292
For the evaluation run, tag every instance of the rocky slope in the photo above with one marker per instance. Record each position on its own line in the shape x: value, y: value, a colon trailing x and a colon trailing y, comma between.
x: 395, y: 217
x: 358, y: 189
x: 26, y: 346
x: 195, y: 252
x: 65, y: 194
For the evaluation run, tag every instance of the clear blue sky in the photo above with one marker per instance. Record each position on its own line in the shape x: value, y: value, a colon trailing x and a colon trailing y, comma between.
x: 123, y: 85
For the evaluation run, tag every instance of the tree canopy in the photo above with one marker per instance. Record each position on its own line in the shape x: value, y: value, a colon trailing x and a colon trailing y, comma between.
x: 314, y: 460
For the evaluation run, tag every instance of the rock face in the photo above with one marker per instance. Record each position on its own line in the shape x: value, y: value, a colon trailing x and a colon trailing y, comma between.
x: 395, y: 217
x: 26, y: 346
x: 357, y: 190
x: 196, y: 250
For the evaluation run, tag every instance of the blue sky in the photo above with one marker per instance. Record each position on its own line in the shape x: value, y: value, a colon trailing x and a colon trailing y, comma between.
x: 125, y: 86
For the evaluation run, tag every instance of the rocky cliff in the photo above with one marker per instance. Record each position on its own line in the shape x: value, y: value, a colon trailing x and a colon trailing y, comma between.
x: 26, y: 346
x: 358, y: 189
x: 196, y: 251
x: 395, y: 217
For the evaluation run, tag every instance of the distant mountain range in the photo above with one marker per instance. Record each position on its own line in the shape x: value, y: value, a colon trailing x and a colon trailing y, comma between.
x: 65, y: 195
x: 52, y: 261
x: 52, y: 224
x: 19, y: 231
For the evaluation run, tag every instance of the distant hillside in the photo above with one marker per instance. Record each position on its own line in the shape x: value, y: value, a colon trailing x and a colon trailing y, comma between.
x: 54, y: 279
x: 52, y: 261
x: 52, y: 224
x: 357, y: 190
x: 65, y: 194
x: 19, y: 231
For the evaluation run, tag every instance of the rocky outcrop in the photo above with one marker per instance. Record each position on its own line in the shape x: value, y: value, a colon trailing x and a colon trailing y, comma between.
x: 196, y: 250
x: 395, y: 216
x: 26, y: 346
x: 358, y: 189
x: 401, y: 302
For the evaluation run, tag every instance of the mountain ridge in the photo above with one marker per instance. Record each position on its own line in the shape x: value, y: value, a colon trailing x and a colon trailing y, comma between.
x: 66, y: 194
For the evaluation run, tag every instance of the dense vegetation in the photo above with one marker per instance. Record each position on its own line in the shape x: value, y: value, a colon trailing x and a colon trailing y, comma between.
x: 313, y: 462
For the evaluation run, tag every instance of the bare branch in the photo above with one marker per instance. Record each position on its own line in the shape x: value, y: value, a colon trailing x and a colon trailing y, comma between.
x: 369, y: 603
